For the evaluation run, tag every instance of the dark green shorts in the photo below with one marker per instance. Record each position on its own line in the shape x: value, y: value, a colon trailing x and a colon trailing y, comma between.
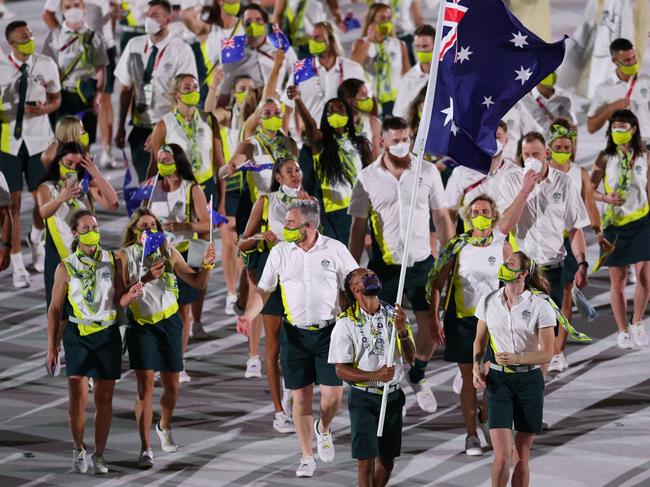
x: 98, y: 355
x: 414, y: 286
x: 13, y: 168
x: 364, y: 410
x: 516, y: 397
x: 156, y: 347
x: 256, y: 263
x: 336, y: 225
x: 303, y: 356
x: 555, y: 279
x: 186, y: 293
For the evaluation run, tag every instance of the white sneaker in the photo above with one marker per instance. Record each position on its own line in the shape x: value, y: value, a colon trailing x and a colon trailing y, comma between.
x: 253, y: 367
x: 38, y: 253
x: 79, y: 463
x: 21, y: 278
x: 424, y: 396
x: 457, y: 385
x: 325, y: 443
x: 146, y: 458
x: 556, y: 364
x: 624, y: 340
x: 283, y: 423
x: 565, y: 362
x: 166, y: 441
x: 631, y: 275
x: 105, y: 159
x: 229, y: 309
x: 307, y: 467
x: 99, y: 464
x: 638, y: 334
x: 183, y: 377
x: 287, y: 401
x: 473, y: 446
x: 91, y: 385
x: 198, y: 333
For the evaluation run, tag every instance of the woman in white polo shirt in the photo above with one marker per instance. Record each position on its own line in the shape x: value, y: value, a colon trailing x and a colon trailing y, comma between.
x: 469, y: 263
x: 518, y: 322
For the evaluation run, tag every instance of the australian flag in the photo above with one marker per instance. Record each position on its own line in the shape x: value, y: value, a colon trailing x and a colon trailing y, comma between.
x: 130, y: 186
x: 303, y: 70
x: 232, y: 49
x: 217, y: 218
x: 488, y: 61
x: 279, y: 39
x: 151, y: 241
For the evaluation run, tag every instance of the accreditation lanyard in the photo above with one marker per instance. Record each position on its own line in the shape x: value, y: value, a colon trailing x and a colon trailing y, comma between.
x: 631, y: 87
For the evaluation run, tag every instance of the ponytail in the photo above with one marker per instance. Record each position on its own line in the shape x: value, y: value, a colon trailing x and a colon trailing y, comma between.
x: 536, y: 278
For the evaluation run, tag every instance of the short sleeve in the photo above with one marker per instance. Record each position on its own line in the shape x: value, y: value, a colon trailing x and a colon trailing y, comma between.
x: 437, y: 190
x: 547, y: 317
x: 52, y: 5
x: 53, y: 84
x: 47, y: 46
x: 122, y: 69
x: 359, y: 201
x: 597, y: 101
x: 269, y: 280
x: 481, y: 312
x: 187, y: 62
x: 454, y: 189
x: 576, y: 213
x: 346, y: 264
x: 341, y: 344
x: 99, y: 46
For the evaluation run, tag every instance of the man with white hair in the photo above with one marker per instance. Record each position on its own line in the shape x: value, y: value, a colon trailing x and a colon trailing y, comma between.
x: 310, y: 269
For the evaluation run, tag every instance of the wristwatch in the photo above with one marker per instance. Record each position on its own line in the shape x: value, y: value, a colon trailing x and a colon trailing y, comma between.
x: 584, y: 263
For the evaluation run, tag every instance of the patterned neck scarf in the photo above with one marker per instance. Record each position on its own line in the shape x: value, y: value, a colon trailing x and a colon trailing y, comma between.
x: 347, y: 153
x: 562, y: 320
x: 622, y: 187
x: 274, y: 146
x: 87, y: 276
x: 189, y: 128
x: 449, y: 252
x: 384, y: 75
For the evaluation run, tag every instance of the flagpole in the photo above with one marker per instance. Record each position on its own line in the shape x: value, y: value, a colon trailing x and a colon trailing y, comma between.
x: 418, y: 147
x: 210, y: 211
x: 143, y: 241
x: 153, y: 188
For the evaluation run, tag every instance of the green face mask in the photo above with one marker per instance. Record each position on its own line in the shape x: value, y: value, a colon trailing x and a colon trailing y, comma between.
x: 231, y: 9
x: 385, y: 28
x: 560, y: 157
x: 316, y: 48
x: 84, y: 139
x: 272, y: 123
x: 337, y: 121
x: 508, y: 275
x: 549, y: 81
x: 191, y: 99
x: 166, y: 169
x: 480, y: 222
x: 424, y: 57
x: 255, y: 30
x: 89, y: 238
x: 292, y: 235
x: 240, y: 97
x: 622, y: 137
x: 66, y: 171
x: 629, y: 69
x: 26, y: 48
x: 365, y: 105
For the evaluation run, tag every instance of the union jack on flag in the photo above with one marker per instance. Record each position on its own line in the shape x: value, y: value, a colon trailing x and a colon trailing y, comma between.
x: 233, y: 49
x: 454, y: 13
x: 303, y: 70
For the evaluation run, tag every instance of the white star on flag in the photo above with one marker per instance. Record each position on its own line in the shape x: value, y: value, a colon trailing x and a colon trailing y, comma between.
x: 449, y: 112
x: 487, y: 101
x: 519, y: 40
x: 463, y: 54
x: 523, y: 74
x: 454, y: 129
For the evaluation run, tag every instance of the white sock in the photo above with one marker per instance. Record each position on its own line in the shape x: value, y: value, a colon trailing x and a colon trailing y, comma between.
x: 17, y: 263
x: 36, y: 235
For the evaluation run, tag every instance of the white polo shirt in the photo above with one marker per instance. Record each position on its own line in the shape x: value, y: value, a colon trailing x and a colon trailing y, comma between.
x: 98, y: 16
x: 42, y: 78
x: 315, y: 91
x: 409, y: 86
x: 258, y: 63
x: 363, y: 340
x: 378, y: 195
x: 545, y: 110
x: 515, y: 329
x: 553, y: 206
x: 309, y: 281
x: 174, y: 57
x: 314, y: 13
x: 466, y: 183
x: 520, y: 122
x: 615, y: 88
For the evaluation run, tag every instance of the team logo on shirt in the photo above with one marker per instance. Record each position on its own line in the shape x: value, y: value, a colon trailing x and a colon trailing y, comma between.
x: 492, y: 260
x: 644, y: 92
x: 106, y: 275
x: 168, y: 66
x: 325, y: 263
x: 525, y: 315
x: 557, y: 196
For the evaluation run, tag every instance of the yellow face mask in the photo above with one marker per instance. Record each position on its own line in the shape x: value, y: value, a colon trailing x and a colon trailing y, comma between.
x: 560, y: 157
x: 240, y: 97
x: 65, y: 171
x: 89, y: 238
x: 481, y: 223
x: 337, y: 121
x: 28, y: 48
x: 316, y: 48
x: 621, y: 137
x: 255, y: 30
x: 231, y: 9
x: 424, y: 57
x: 272, y: 123
x: 166, y: 169
x: 84, y: 139
x: 385, y: 28
x: 190, y: 99
x: 549, y: 81
x: 365, y: 105
x: 629, y: 69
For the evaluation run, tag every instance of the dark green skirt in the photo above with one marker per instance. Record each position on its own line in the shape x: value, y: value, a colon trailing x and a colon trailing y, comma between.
x: 98, y: 355
x: 156, y: 347
x: 632, y: 243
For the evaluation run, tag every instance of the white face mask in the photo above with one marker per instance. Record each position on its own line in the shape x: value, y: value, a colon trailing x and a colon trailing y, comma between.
x: 499, y: 149
x: 151, y: 26
x: 74, y: 15
x: 400, y: 150
x: 292, y: 192
x: 532, y: 164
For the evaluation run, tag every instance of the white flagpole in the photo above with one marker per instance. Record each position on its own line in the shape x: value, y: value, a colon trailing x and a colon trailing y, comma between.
x: 210, y: 212
x: 153, y: 188
x: 418, y: 148
x: 143, y: 241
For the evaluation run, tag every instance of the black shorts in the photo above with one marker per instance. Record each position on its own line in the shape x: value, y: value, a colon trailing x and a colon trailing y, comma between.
x: 255, y: 264
x: 156, y: 347
x: 98, y: 355
x: 414, y: 286
x: 364, y: 410
x: 303, y: 357
x: 516, y: 398
x: 13, y: 168
x: 570, y: 266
